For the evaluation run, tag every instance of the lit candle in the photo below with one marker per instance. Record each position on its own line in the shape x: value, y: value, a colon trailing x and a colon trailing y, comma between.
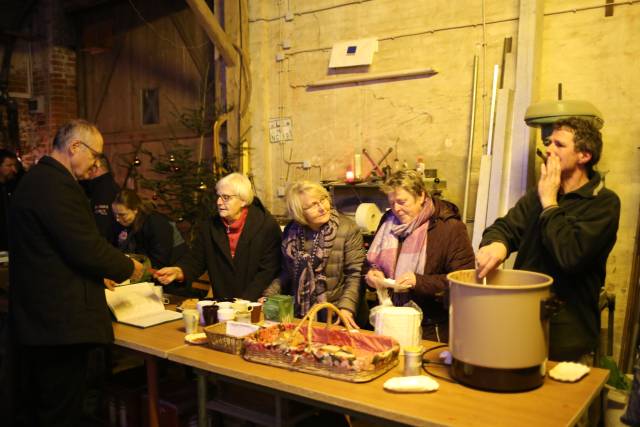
x: 349, y: 176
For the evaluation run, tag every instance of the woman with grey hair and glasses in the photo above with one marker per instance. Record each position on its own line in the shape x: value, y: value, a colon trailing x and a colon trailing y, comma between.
x: 322, y: 253
x: 238, y: 246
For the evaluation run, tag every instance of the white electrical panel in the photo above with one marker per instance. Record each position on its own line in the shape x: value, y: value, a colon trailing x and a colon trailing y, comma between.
x: 280, y: 130
x: 353, y: 53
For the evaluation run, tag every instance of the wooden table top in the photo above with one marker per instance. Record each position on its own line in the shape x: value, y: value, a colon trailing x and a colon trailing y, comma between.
x: 156, y: 340
x: 553, y: 404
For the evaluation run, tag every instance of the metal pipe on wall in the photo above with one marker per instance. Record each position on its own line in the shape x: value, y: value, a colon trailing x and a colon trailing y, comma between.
x: 472, y: 125
x: 492, y: 112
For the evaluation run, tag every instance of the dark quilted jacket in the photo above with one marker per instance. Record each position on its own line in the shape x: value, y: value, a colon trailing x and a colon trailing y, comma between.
x: 343, y: 269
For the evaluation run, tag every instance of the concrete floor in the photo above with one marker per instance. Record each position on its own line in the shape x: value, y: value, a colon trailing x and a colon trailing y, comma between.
x: 616, y: 406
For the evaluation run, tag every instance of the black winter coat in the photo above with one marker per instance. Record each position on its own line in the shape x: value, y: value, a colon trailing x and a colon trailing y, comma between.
x: 256, y: 262
x: 102, y: 191
x: 157, y: 238
x: 58, y: 260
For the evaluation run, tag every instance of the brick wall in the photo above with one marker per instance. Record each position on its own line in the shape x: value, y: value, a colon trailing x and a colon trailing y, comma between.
x: 53, y: 82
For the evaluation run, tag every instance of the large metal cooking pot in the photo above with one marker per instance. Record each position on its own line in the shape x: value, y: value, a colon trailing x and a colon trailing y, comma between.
x: 499, y: 332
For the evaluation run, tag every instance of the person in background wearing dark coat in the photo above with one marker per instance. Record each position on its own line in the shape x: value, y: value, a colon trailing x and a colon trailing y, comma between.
x: 146, y: 232
x: 8, y: 182
x: 101, y: 188
x: 59, y: 263
x: 419, y: 241
x: 239, y: 246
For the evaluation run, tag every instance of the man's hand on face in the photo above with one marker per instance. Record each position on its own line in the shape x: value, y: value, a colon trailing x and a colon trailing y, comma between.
x: 549, y: 182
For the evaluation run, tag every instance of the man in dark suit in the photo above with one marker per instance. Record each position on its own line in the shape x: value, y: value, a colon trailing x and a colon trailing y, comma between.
x: 57, y: 305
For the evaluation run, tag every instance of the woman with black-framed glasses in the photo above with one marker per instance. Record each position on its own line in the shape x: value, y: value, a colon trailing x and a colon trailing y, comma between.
x: 238, y: 246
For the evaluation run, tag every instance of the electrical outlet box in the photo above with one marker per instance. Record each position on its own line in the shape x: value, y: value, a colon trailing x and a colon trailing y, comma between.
x: 288, y: 16
x: 286, y: 44
x: 280, y: 191
x: 280, y: 130
x: 306, y: 164
x: 353, y: 53
x: 279, y: 56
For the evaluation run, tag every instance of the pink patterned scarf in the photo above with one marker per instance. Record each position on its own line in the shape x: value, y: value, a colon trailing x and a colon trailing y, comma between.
x: 383, y: 253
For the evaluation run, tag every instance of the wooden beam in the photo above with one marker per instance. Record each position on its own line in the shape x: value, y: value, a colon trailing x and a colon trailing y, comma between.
x: 236, y: 21
x: 208, y: 22
x: 632, y: 313
x: 159, y: 133
x: 518, y: 163
x: 198, y: 55
x: 106, y: 81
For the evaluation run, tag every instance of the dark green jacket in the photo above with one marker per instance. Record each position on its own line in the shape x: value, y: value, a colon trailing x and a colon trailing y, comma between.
x: 570, y: 243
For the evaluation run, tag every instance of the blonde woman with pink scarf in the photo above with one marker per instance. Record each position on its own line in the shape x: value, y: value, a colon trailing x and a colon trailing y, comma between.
x: 419, y: 241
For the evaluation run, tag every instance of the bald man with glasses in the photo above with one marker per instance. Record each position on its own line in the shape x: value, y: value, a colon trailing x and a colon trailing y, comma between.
x: 58, y: 266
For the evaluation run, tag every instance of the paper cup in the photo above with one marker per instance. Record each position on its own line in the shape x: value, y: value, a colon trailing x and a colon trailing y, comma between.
x: 256, y: 312
x: 242, y: 305
x: 190, y: 317
x: 243, y: 317
x: 225, y: 314
x: 210, y: 314
x: 200, y: 305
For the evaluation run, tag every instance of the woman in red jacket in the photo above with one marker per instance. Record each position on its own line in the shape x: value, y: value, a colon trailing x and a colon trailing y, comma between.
x: 418, y: 242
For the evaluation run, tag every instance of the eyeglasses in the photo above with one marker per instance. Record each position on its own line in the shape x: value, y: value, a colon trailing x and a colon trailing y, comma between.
x: 322, y: 203
x: 226, y: 197
x: 96, y: 154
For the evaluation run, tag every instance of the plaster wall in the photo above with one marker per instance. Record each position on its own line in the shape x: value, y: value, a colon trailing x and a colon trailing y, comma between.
x: 592, y: 55
x: 425, y: 116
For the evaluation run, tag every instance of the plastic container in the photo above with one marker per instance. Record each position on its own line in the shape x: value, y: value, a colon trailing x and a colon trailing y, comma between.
x: 278, y: 308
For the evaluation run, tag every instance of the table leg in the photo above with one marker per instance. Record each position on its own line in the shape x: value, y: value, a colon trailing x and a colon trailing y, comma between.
x: 202, y: 397
x: 152, y: 389
x: 281, y: 404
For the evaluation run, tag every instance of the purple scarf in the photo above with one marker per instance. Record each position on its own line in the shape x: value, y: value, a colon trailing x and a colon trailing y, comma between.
x: 309, y: 267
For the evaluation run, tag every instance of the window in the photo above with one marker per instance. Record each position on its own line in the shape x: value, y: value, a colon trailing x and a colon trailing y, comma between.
x: 150, y: 106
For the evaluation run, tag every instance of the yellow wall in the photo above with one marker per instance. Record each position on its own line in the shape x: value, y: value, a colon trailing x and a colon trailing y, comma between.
x: 594, y: 57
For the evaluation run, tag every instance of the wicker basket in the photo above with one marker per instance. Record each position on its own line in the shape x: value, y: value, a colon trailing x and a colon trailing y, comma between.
x: 219, y: 340
x: 301, y: 350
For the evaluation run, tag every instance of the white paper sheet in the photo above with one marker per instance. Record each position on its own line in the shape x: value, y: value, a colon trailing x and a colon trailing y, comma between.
x: 138, y: 305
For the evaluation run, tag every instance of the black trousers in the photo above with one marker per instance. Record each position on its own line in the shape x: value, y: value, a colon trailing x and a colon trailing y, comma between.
x: 49, y: 384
